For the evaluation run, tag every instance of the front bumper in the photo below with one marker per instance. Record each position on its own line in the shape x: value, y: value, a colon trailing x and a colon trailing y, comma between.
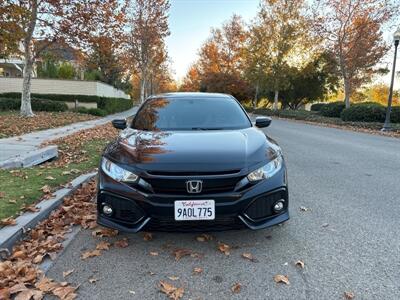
x: 135, y: 210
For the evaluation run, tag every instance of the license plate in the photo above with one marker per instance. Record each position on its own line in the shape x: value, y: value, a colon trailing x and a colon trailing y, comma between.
x: 192, y: 210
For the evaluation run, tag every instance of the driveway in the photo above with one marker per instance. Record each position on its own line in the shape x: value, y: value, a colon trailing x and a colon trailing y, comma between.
x: 347, y: 234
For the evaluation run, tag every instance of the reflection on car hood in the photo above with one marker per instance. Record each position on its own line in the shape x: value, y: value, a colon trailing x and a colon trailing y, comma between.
x: 202, y: 151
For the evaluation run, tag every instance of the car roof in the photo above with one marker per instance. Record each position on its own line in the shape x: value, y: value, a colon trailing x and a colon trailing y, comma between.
x: 188, y: 95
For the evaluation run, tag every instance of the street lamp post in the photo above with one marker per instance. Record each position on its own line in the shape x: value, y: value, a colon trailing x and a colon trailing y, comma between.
x: 387, y: 126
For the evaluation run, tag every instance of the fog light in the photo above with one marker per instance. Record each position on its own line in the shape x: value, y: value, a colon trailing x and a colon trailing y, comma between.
x: 278, y: 206
x: 107, y: 210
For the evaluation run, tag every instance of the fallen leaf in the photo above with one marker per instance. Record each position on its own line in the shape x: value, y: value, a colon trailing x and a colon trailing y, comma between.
x: 2, y: 194
x: 303, y: 208
x: 249, y: 256
x: 45, y: 189
x: 224, y: 248
x: 122, y: 243
x: 30, y: 208
x: 90, y: 253
x: 65, y: 292
x: 197, y: 270
x: 148, y: 236
x: 92, y: 280
x: 28, y: 294
x: 8, y: 222
x: 104, y: 232
x: 69, y: 272
x: 181, y: 252
x: 236, y: 288
x: 12, y: 201
x: 19, y: 287
x: 103, y: 245
x: 300, y: 264
x: 204, y: 237
x: 349, y: 295
x: 281, y: 279
x: 171, y: 291
x: 173, y: 278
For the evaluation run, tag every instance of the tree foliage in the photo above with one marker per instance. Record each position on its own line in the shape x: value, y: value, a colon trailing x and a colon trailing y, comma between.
x: 352, y: 29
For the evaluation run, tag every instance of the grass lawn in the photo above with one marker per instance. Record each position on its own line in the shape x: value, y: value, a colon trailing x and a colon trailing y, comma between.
x: 12, y: 124
x: 23, y: 186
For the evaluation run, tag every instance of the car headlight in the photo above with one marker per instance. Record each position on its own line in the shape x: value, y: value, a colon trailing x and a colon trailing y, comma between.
x: 267, y: 171
x: 116, y: 172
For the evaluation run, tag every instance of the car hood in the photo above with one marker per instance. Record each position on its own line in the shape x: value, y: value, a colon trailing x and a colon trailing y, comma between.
x: 200, y: 151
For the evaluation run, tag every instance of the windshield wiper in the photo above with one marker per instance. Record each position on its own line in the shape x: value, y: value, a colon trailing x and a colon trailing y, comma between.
x: 205, y: 128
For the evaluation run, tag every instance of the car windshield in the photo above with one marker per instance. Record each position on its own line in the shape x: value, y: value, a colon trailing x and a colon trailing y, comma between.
x: 190, y: 114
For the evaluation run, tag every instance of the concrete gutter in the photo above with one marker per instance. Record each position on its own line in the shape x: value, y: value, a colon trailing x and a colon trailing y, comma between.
x: 9, y: 235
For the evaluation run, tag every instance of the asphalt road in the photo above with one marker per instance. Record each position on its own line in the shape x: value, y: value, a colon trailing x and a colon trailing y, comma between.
x: 349, y: 240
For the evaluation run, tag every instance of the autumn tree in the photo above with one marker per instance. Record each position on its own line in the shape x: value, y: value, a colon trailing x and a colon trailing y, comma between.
x: 191, y: 82
x: 220, y: 64
x: 277, y: 33
x: 146, y: 40
x: 352, y: 30
x: 48, y: 21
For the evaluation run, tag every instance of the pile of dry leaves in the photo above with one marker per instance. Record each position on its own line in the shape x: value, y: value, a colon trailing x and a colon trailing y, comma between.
x: 13, y: 124
x: 70, y: 148
x: 19, y: 273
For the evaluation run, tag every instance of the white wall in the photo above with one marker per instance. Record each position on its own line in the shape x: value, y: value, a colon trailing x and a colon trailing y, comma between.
x: 66, y: 87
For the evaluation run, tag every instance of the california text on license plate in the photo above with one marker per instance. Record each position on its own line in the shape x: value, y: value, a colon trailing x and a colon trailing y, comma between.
x: 191, y: 210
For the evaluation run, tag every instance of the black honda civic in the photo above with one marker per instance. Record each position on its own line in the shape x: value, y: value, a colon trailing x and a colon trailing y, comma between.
x: 192, y: 162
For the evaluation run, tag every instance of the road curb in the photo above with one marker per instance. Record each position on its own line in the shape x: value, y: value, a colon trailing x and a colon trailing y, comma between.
x: 9, y: 235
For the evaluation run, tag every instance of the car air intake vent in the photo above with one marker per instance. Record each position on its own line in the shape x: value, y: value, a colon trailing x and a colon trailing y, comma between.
x: 196, y: 173
x: 261, y: 207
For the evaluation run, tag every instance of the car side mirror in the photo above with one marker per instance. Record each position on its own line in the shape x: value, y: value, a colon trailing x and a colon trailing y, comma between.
x: 262, y: 122
x: 119, y: 123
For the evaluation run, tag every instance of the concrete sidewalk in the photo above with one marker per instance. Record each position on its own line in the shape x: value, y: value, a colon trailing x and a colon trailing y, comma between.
x: 24, y: 151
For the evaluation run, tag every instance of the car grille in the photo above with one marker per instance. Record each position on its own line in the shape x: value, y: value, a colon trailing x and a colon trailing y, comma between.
x: 175, y: 186
x: 219, y: 224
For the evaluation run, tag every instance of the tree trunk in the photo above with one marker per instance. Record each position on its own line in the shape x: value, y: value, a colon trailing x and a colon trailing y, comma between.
x: 255, y: 98
x: 26, y: 107
x: 275, y: 107
x: 347, y: 92
x: 143, y: 89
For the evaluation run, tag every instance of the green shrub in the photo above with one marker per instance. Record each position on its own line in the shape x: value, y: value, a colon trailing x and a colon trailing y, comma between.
x: 82, y: 110
x: 113, y: 105
x: 97, y: 112
x: 395, y: 114
x: 317, y: 106
x: 9, y: 104
x: 332, y: 109
x: 109, y: 105
x: 364, y: 112
x: 37, y: 104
